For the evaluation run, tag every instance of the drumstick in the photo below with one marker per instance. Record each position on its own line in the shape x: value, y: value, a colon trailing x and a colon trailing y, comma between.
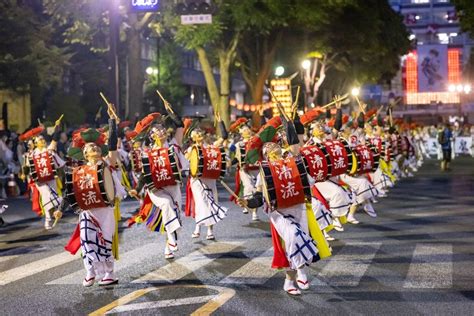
x: 342, y: 98
x: 109, y: 105
x: 231, y: 192
x: 166, y: 103
x: 56, y: 219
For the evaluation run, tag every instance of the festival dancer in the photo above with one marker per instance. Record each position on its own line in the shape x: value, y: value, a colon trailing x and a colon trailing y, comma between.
x: 338, y: 198
x: 161, y: 176
x: 382, y: 178
x: 207, y: 163
x: 94, y: 190
x: 42, y: 166
x: 364, y: 190
x: 286, y: 187
x: 246, y: 173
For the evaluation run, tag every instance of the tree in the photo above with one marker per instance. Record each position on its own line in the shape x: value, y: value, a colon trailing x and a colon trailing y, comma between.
x: 216, y: 44
x: 465, y: 11
x: 86, y: 22
x: 359, y: 41
x: 168, y: 81
x: 27, y: 55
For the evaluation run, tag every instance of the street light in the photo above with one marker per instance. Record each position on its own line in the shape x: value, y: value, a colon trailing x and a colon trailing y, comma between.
x: 467, y: 88
x: 280, y: 70
x: 452, y: 88
x: 306, y: 64
x: 151, y: 71
x: 355, y: 91
x: 459, y: 88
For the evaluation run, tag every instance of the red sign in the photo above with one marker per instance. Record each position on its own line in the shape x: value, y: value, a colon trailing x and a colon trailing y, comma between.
x: 365, y: 159
x: 86, y: 187
x: 316, y: 162
x: 288, y: 184
x: 212, y: 162
x: 338, y: 157
x: 136, y: 160
x: 43, y: 167
x: 160, y: 166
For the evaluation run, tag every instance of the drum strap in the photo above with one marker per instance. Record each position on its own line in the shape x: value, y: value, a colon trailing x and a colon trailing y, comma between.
x: 115, y: 238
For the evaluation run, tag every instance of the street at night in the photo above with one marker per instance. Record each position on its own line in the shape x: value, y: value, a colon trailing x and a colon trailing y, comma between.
x: 416, y: 258
x: 224, y: 157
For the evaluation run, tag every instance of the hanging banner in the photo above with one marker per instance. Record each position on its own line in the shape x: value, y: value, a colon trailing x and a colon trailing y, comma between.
x: 463, y: 146
x: 432, y: 146
x: 432, y: 68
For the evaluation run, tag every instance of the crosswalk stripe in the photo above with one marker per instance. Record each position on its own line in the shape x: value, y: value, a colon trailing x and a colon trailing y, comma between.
x: 6, y: 258
x: 431, y: 267
x: 35, y: 267
x: 348, y: 266
x: 127, y: 259
x: 183, y: 266
x: 161, y: 304
x: 256, y: 272
x: 441, y: 213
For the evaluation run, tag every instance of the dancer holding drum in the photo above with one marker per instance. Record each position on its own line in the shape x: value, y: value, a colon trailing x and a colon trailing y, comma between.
x: 41, y: 166
x: 382, y: 178
x: 161, y: 177
x: 94, y: 190
x: 207, y: 163
x: 246, y: 173
x: 337, y: 162
x: 365, y: 160
x: 286, y: 187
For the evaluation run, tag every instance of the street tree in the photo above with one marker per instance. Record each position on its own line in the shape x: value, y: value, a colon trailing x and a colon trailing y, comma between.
x: 87, y: 22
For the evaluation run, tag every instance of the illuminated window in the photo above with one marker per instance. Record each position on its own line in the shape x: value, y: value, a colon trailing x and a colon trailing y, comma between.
x: 411, y: 73
x: 454, y: 69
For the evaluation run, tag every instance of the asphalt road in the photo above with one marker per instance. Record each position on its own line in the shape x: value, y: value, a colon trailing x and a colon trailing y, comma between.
x: 416, y: 258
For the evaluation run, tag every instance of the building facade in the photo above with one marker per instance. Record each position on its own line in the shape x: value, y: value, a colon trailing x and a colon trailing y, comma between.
x: 431, y: 81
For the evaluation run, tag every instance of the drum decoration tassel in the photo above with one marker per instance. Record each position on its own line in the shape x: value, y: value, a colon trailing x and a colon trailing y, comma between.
x: 316, y: 234
x: 115, y: 239
x: 343, y: 219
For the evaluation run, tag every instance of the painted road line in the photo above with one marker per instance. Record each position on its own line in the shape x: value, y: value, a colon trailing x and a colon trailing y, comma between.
x: 180, y: 268
x: 161, y: 304
x: 441, y: 213
x: 348, y: 266
x: 127, y: 259
x: 257, y: 271
x: 35, y: 267
x: 431, y: 267
x: 6, y: 258
x: 215, y: 301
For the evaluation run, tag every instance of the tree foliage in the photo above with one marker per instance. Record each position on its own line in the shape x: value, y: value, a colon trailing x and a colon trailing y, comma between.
x: 28, y: 56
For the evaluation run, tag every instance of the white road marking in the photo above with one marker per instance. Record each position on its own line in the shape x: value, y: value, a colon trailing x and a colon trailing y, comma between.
x: 6, y: 258
x: 183, y: 266
x: 127, y: 259
x: 431, y: 267
x: 440, y: 213
x: 161, y: 304
x: 257, y: 271
x: 348, y: 266
x: 35, y: 267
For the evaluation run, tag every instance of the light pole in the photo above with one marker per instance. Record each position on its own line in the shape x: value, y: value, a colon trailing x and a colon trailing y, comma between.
x: 113, y: 54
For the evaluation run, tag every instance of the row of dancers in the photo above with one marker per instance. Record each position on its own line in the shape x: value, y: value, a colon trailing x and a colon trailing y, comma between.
x: 309, y: 174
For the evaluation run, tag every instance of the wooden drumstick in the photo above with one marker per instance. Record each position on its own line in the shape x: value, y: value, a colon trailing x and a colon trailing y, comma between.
x: 109, y: 105
x: 166, y: 103
x: 231, y: 192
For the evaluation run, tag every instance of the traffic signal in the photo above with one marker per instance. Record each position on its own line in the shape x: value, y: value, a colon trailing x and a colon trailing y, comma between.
x: 194, y: 7
x: 195, y: 11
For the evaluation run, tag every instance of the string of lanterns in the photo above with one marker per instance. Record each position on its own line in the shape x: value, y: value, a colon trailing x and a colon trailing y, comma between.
x: 249, y: 107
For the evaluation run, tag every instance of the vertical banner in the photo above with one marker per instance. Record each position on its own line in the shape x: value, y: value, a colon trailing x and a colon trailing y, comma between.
x: 462, y: 146
x: 432, y: 68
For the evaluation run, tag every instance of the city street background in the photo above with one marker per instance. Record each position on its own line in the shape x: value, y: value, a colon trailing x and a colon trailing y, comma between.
x: 415, y: 258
